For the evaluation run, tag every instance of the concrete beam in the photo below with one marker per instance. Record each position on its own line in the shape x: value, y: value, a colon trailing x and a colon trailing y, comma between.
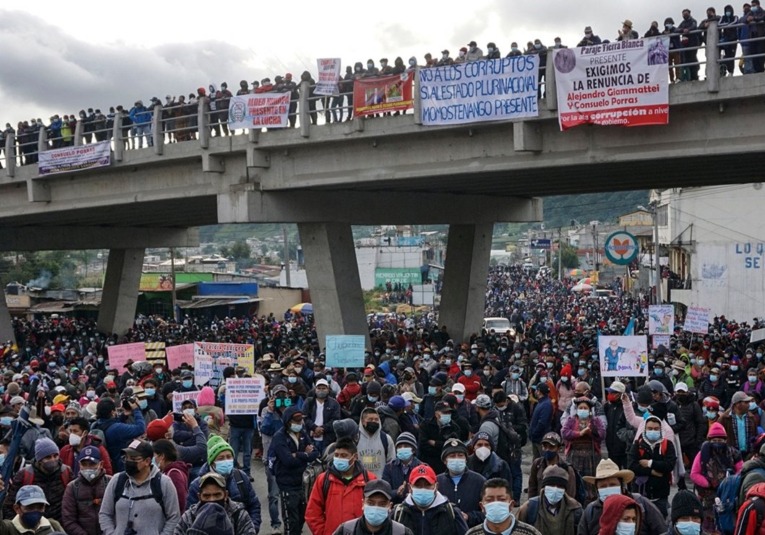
x: 464, y: 293
x: 120, y: 296
x: 6, y: 327
x: 243, y: 205
x: 333, y: 279
x: 76, y: 238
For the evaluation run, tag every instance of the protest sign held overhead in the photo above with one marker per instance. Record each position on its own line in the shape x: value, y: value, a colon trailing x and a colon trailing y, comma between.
x: 120, y: 354
x: 623, y: 83
x: 210, y: 359
x: 623, y: 356
x: 697, y: 320
x: 477, y: 91
x: 329, y: 74
x: 243, y: 396
x: 382, y: 93
x: 661, y: 319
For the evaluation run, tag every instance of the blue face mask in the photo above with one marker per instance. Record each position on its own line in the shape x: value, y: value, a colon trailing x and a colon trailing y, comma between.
x: 404, y: 454
x: 456, y: 466
x: 583, y: 413
x: 296, y: 428
x: 372, y: 398
x: 580, y: 372
x: 659, y: 372
x: 752, y: 379
x: 554, y: 494
x: 625, y: 528
x: 711, y: 415
x: 688, y: 528
x: 549, y: 455
x: 713, y: 378
x: 432, y: 390
x: 292, y: 380
x: 187, y: 383
x: 375, y: 515
x: 515, y: 376
x: 150, y: 392
x: 497, y: 512
x: 605, y: 492
x: 423, y: 497
x: 341, y: 465
x: 653, y: 436
x: 224, y: 468
x: 445, y: 419
x: 2, y: 458
x: 6, y: 421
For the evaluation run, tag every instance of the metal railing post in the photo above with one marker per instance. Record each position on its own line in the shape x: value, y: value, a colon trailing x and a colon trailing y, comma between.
x: 713, y: 58
x: 42, y: 141
x: 551, y: 87
x: 119, y: 143
x: 78, y: 133
x: 156, y: 130
x: 417, y: 104
x: 203, y: 123
x: 305, y: 119
x: 10, y: 155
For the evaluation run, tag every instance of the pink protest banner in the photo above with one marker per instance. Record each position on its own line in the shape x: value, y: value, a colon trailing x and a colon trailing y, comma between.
x: 177, y: 355
x: 120, y: 354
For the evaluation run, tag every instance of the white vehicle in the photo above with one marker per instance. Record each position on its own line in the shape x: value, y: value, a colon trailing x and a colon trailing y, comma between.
x: 500, y: 326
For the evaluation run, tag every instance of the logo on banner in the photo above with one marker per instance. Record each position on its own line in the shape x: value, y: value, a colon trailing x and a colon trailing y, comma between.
x: 621, y: 248
x: 238, y: 111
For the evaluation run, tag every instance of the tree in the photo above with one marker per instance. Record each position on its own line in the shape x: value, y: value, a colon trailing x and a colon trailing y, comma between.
x: 240, y: 250
x: 569, y: 259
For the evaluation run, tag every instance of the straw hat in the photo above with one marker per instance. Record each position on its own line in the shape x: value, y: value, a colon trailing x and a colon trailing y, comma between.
x: 607, y: 468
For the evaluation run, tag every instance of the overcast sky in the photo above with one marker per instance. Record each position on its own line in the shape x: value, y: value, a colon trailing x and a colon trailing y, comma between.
x: 58, y: 58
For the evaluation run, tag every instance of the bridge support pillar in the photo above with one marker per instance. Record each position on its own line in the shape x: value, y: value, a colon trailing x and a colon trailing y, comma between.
x: 120, y: 295
x: 464, y: 291
x: 6, y: 328
x: 333, y: 279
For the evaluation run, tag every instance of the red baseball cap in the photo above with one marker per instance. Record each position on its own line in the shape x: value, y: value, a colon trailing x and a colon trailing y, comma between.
x: 157, y: 428
x: 422, y: 471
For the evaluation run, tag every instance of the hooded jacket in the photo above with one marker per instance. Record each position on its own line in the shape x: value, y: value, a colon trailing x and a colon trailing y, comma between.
x: 344, y: 500
x: 288, y: 469
x: 440, y: 518
x: 79, y: 508
x: 235, y: 485
x: 237, y: 514
x: 613, y: 508
x: 372, y: 452
x: 651, y: 519
x: 178, y: 472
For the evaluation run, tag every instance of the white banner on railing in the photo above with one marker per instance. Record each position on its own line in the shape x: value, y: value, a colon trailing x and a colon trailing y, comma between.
x: 329, y: 75
x: 259, y: 110
x: 68, y: 159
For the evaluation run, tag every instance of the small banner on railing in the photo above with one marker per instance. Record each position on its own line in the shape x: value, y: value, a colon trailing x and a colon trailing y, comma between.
x: 69, y: 159
x: 624, y: 83
x: 329, y: 75
x: 382, y: 93
x: 478, y: 91
x: 259, y: 110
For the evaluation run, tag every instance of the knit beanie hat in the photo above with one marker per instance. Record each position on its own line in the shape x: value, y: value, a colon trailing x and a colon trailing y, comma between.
x: 645, y: 395
x: 215, y: 446
x: 566, y: 371
x: 345, y: 428
x: 45, y: 447
x: 408, y: 439
x: 211, y: 518
x: 716, y: 430
x: 685, y: 503
x: 555, y: 475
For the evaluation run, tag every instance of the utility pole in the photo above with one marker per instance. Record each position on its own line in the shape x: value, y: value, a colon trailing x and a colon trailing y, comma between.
x: 286, y: 255
x: 172, y: 278
x: 560, y: 254
x: 657, y: 297
x: 594, y: 246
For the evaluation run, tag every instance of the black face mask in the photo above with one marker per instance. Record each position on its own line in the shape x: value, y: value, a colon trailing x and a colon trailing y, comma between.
x: 57, y: 419
x: 131, y: 468
x: 372, y: 427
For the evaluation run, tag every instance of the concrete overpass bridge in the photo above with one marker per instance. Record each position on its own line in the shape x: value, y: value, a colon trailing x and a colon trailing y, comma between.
x: 386, y: 170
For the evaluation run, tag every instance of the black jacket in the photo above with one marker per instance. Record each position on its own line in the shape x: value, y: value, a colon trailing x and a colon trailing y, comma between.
x: 431, y: 454
x: 466, y: 494
x: 663, y: 457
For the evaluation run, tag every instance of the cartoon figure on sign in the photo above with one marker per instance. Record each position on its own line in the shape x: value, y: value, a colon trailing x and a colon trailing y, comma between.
x: 612, y: 354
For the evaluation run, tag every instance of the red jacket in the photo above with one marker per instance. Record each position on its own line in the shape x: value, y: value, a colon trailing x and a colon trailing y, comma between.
x: 68, y: 455
x: 472, y: 386
x: 343, y: 501
x: 178, y: 472
x: 751, y: 514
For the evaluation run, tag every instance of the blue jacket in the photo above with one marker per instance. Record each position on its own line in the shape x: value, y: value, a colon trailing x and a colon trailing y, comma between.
x: 288, y: 468
x: 252, y: 505
x: 140, y: 115
x: 271, y: 423
x: 541, y: 420
x: 119, y: 434
x: 466, y: 494
x: 394, y: 474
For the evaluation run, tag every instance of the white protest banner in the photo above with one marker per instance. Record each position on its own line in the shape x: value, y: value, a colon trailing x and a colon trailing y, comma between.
x: 697, y: 320
x: 243, y: 396
x: 345, y: 351
x: 120, y: 354
x: 478, y: 91
x: 68, y: 159
x: 259, y: 110
x: 210, y: 358
x: 659, y: 340
x: 177, y: 355
x: 623, y: 356
x: 757, y: 335
x: 625, y: 83
x: 661, y: 319
x: 180, y: 397
x: 329, y: 74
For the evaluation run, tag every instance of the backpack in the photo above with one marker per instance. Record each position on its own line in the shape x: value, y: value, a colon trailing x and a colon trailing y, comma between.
x: 508, y: 438
x: 532, y: 511
x: 156, y: 490
x: 750, y: 516
x: 349, y: 527
x: 398, y: 512
x: 97, y: 503
x: 100, y: 432
x: 325, y: 483
x: 581, y: 488
x: 725, y: 511
x: 244, y: 490
x: 28, y: 475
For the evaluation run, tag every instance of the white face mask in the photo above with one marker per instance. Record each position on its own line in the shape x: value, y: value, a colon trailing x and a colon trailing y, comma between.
x: 483, y: 453
x: 605, y: 492
x: 74, y: 440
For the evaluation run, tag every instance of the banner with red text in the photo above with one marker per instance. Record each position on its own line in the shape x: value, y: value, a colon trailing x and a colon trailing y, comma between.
x: 382, y: 93
x: 329, y: 75
x: 259, y: 110
x: 70, y: 159
x: 624, y: 83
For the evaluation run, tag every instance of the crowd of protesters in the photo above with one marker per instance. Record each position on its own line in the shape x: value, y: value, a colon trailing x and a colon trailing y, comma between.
x: 429, y: 437
x: 179, y: 113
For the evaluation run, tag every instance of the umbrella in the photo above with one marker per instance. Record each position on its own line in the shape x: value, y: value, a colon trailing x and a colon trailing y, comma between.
x: 577, y: 273
x: 582, y: 287
x: 303, y: 308
x: 587, y: 281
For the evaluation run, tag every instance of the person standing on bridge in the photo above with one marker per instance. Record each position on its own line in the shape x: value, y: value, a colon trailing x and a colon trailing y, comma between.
x: 140, y: 115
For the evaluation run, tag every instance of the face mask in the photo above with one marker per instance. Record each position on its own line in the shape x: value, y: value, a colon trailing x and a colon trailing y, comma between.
x: 372, y: 427
x: 468, y: 373
x: 515, y: 49
x: 583, y: 413
x: 341, y: 465
x: 90, y: 475
x: 711, y: 415
x: 158, y: 371
x: 752, y: 379
x: 100, y: 359
x: 375, y: 515
x: 734, y: 368
x: 497, y: 512
x: 321, y: 394
x: 372, y: 398
x: 412, y: 63
x: 448, y: 362
x: 653, y: 436
x: 143, y: 404
x: 296, y: 428
x: 47, y: 411
x: 700, y: 362
x: 605, y: 492
x: 370, y: 65
x: 108, y: 379
x: 131, y: 467
x: 483, y: 453
x: 515, y: 376
x: 456, y: 466
x: 6, y: 421
x: 224, y: 468
x: 564, y: 379
x: 292, y: 380
x: 150, y: 392
x: 713, y: 378
x: 625, y: 528
x: 554, y: 494
x: 2, y: 458
x: 423, y: 497
x: 659, y: 372
x: 752, y: 406
x: 445, y: 419
x: 187, y: 383
x: 688, y: 528
x: 549, y: 365
x: 74, y: 440
x: 404, y: 454
x: 642, y: 409
x: 432, y: 390
x: 30, y: 519
x: 759, y: 355
x: 188, y: 412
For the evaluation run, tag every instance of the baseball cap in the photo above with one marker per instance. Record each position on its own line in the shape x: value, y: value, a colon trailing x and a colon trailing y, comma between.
x: 442, y: 406
x: 378, y: 485
x: 681, y: 387
x: 552, y: 438
x: 322, y: 382
x: 740, y: 396
x: 618, y: 387
x: 458, y: 387
x: 411, y: 397
x: 212, y: 476
x: 483, y: 401
x: 398, y: 403
x: 139, y: 448
x: 157, y: 428
x: 422, y: 471
x: 90, y: 453
x: 29, y: 494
